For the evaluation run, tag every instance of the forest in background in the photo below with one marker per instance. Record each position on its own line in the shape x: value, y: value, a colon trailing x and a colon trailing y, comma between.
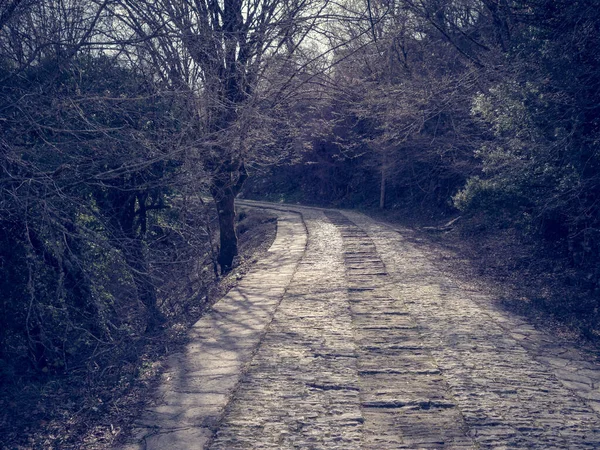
x: 128, y: 127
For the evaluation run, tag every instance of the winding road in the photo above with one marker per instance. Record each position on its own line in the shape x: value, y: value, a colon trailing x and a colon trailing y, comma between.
x: 347, y: 336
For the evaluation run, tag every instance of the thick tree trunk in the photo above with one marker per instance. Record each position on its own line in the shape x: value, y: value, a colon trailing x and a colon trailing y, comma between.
x: 382, y: 189
x: 228, y: 242
x: 226, y: 185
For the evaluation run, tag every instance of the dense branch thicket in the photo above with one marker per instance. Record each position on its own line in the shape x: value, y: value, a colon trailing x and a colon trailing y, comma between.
x: 399, y: 110
x: 85, y: 175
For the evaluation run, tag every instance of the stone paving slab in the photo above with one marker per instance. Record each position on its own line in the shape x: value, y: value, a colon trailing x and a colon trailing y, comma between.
x: 199, y: 382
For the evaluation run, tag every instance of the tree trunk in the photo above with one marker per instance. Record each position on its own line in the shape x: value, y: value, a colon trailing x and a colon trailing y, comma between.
x: 228, y: 242
x: 118, y: 206
x: 382, y: 189
x: 136, y: 258
x: 226, y: 185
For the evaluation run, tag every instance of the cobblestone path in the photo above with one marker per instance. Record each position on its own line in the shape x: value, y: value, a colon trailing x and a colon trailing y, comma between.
x: 405, y: 400
x: 348, y: 337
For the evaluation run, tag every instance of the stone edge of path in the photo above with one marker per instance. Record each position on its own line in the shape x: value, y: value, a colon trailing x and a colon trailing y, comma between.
x: 199, y: 381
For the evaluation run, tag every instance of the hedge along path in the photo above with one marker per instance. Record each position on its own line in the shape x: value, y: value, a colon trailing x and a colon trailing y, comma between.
x: 199, y: 382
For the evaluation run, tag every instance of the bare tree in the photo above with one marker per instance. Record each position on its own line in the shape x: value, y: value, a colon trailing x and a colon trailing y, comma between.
x: 220, y: 53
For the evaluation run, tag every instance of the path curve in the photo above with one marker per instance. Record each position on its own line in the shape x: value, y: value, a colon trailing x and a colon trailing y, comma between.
x: 347, y: 336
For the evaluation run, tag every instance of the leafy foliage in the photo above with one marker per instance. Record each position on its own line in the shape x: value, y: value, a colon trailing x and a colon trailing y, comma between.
x: 543, y: 157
